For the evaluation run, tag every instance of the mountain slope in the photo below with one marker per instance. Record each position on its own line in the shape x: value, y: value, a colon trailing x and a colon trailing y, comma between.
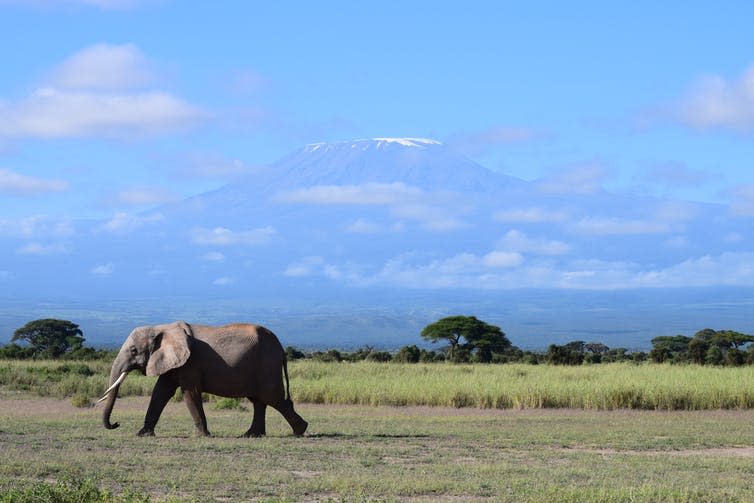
x: 381, y: 220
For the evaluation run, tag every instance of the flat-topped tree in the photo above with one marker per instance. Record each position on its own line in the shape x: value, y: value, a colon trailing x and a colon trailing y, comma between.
x: 468, y: 334
x: 50, y: 338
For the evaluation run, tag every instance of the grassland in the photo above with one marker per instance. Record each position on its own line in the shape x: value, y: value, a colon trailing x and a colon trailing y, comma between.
x: 683, y: 434
x: 516, y: 386
x: 364, y: 453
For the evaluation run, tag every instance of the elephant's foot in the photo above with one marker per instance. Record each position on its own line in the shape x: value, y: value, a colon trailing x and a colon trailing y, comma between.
x: 300, y: 428
x: 144, y: 432
x: 205, y: 433
x: 253, y: 433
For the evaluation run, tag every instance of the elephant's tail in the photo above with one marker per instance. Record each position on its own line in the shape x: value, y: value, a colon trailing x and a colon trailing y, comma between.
x: 285, y: 373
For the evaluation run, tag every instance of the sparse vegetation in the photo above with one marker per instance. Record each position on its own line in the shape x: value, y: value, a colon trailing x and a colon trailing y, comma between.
x: 361, y: 453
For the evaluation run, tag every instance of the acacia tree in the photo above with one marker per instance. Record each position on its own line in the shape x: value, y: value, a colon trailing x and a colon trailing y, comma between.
x: 50, y: 338
x: 467, y: 334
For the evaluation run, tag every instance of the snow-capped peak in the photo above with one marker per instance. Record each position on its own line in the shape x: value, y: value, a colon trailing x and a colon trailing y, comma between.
x: 365, y: 144
x: 408, y: 142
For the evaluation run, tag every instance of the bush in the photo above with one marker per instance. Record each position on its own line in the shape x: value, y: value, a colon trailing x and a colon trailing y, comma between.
x: 292, y: 353
x: 15, y: 352
x: 714, y: 356
x: 430, y: 356
x: 379, y: 356
x: 332, y: 355
x: 408, y: 354
x: 81, y: 401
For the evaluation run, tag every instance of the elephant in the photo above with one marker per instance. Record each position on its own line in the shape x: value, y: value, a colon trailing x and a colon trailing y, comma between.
x: 236, y: 360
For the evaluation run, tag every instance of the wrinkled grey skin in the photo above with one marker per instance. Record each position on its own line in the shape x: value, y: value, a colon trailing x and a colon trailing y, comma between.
x: 239, y: 360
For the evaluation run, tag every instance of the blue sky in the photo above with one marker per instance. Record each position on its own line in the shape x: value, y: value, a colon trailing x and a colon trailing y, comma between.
x: 113, y: 106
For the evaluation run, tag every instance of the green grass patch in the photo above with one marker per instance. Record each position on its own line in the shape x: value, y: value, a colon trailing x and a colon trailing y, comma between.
x: 69, y: 490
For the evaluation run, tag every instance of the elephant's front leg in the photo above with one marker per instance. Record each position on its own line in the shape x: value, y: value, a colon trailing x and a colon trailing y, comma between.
x: 193, y: 398
x: 163, y: 391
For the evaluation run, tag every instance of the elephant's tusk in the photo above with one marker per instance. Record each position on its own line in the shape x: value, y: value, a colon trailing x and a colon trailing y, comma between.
x: 114, y: 385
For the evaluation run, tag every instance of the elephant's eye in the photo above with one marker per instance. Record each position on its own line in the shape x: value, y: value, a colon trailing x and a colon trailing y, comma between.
x: 133, y: 351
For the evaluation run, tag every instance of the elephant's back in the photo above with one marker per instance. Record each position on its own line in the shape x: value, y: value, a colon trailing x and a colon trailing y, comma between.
x: 240, y: 341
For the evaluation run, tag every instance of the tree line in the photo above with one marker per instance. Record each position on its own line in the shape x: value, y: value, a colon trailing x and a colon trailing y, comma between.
x: 466, y: 339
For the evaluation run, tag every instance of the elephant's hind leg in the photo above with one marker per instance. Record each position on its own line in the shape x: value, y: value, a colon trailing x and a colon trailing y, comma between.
x: 298, y: 424
x: 193, y: 399
x: 258, y: 427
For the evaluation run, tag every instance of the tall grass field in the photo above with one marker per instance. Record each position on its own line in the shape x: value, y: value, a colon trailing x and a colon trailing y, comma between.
x: 512, y: 386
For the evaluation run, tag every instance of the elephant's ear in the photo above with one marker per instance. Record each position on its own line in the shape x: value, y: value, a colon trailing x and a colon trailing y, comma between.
x: 171, y: 348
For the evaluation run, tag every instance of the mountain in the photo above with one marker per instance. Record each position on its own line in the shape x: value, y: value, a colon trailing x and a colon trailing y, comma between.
x: 368, y: 240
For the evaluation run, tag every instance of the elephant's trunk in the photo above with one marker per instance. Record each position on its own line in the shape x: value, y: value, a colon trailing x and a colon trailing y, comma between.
x: 117, y: 376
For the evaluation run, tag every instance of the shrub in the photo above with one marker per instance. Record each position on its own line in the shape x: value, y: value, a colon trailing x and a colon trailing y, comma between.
x: 408, y: 354
x: 294, y: 354
x: 379, y: 356
x: 332, y: 355
x: 81, y: 401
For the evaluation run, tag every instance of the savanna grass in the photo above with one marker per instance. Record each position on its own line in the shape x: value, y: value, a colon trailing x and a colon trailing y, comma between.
x: 519, y: 386
x: 511, y: 386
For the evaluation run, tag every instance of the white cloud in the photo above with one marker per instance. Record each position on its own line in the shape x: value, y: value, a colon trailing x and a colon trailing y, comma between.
x: 36, y: 226
x: 363, y: 226
x: 18, y: 184
x: 530, y: 215
x: 366, y: 194
x: 50, y: 113
x: 431, y: 211
x: 223, y: 281
x: 470, y: 271
x: 716, y: 102
x: 617, y: 226
x: 221, y: 236
x: 102, y: 4
x: 727, y: 269
x: 214, y: 166
x: 584, y: 178
x: 104, y: 67
x: 497, y: 259
x: 92, y: 94
x: 315, y: 266
x: 518, y: 241
x: 123, y: 222
x: 141, y: 196
x: 213, y: 257
x: 305, y: 267
x: 36, y: 248
x: 430, y: 216
x: 103, y: 269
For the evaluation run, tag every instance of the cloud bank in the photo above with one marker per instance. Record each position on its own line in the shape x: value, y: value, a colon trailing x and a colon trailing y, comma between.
x: 98, y: 91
